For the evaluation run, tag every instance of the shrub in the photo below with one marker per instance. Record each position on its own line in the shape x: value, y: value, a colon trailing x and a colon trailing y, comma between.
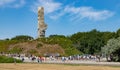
x: 16, y: 50
x: 39, y: 45
x: 32, y: 51
x: 5, y: 59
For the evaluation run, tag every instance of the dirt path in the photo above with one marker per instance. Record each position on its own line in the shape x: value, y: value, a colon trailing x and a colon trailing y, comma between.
x: 53, y: 67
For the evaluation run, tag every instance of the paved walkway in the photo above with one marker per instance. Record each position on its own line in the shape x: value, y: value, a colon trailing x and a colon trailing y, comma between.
x: 86, y: 63
x: 83, y: 62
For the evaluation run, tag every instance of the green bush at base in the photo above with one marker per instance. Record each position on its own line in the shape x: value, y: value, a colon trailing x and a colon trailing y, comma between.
x: 4, y: 59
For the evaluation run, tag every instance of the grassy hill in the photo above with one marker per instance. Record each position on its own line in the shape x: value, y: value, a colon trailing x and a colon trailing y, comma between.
x: 41, y: 46
x: 35, y: 47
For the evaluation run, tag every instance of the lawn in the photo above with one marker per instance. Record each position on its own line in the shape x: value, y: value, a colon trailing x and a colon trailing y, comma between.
x: 30, y: 66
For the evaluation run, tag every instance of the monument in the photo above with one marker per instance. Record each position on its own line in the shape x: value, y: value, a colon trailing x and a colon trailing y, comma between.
x: 41, y: 24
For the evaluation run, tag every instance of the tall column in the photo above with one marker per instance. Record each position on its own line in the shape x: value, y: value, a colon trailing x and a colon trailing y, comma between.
x: 41, y: 24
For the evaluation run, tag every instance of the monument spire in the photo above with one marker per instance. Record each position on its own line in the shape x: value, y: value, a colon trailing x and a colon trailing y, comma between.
x: 41, y: 24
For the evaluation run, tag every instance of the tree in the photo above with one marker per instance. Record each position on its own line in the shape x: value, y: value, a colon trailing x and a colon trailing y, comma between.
x: 118, y: 33
x: 88, y: 42
x: 60, y: 36
x: 112, y: 49
x: 22, y: 38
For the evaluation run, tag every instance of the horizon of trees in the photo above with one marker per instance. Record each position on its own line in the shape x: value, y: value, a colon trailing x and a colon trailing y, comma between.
x: 89, y: 42
x: 117, y: 31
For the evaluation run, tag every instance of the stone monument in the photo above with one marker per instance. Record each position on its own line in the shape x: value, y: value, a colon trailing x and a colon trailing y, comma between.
x: 41, y: 24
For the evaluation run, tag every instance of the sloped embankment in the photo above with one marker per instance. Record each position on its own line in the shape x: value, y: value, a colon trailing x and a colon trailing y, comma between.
x: 37, y: 48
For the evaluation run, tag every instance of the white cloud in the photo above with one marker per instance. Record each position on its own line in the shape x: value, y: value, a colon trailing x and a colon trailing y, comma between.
x: 88, y: 12
x: 12, y: 3
x: 55, y: 10
x: 19, y: 4
x: 49, y: 5
x: 56, y: 15
x: 4, y: 2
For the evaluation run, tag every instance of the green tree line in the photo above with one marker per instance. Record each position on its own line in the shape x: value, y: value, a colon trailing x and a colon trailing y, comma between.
x: 89, y: 42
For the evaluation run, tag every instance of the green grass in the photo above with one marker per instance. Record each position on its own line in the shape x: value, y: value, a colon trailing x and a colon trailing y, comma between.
x: 5, y: 59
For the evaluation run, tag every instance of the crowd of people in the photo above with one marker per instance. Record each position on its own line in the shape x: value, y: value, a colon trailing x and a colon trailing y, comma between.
x: 40, y: 59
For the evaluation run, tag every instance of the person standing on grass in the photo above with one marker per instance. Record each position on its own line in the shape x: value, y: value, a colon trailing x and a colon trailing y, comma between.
x: 23, y: 59
x: 38, y: 59
x: 14, y: 61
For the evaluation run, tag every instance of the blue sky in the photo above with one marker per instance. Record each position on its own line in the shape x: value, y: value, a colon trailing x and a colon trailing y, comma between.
x: 63, y: 17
